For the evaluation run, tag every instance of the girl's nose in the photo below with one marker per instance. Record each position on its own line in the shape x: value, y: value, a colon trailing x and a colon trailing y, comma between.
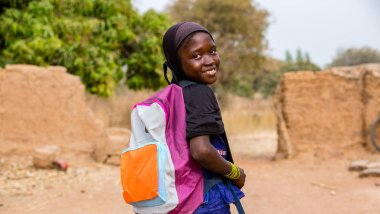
x: 208, y: 60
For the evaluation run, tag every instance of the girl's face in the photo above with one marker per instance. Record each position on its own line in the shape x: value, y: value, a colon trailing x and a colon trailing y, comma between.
x: 199, y: 58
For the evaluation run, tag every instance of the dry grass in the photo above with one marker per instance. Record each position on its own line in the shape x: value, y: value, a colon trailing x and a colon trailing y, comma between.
x: 247, y: 116
x: 240, y: 115
x: 115, y: 111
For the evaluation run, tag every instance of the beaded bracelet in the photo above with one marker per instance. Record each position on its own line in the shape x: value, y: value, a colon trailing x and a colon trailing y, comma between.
x: 235, y: 172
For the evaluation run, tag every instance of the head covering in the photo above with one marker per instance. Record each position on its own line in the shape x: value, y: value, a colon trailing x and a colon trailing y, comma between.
x: 172, y: 41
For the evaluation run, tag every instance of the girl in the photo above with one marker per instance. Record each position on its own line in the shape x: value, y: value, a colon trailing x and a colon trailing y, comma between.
x: 191, y: 55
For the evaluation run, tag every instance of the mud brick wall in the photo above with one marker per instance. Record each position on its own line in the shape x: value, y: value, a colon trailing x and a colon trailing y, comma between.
x: 40, y: 106
x: 329, y: 109
x: 371, y: 98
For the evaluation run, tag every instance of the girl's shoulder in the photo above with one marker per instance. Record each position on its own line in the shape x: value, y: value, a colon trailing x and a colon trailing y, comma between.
x: 190, y: 84
x: 197, y: 88
x: 198, y: 92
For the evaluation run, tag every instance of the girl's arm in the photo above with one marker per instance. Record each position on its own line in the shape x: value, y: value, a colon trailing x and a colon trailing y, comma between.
x: 206, y: 155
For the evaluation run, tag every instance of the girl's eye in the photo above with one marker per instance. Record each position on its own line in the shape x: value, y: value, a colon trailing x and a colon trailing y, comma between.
x: 197, y: 56
x: 213, y: 52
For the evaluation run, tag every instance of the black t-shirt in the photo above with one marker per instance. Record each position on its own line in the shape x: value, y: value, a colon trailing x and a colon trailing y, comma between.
x: 203, y: 115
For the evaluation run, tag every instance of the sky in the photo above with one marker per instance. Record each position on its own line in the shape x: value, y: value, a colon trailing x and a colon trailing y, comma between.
x: 318, y: 27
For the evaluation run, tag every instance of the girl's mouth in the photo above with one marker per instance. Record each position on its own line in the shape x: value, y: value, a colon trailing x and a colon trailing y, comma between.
x: 211, y: 72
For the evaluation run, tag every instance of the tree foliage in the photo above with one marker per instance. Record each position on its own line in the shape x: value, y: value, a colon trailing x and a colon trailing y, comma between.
x: 91, y: 38
x: 238, y: 27
x: 266, y: 81
x: 355, y: 56
x: 4, y: 4
x: 301, y: 62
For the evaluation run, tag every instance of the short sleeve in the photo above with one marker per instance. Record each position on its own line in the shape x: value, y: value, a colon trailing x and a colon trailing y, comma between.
x: 203, y: 115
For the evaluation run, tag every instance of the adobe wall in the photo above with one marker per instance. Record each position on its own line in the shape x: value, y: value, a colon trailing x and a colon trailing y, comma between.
x: 327, y: 110
x: 371, y: 98
x: 40, y: 106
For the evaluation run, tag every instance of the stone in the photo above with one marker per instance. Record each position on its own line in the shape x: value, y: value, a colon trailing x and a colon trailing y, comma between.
x: 117, y: 140
x: 372, y: 172
x: 43, y: 157
x: 373, y: 165
x: 113, y: 160
x: 358, y: 165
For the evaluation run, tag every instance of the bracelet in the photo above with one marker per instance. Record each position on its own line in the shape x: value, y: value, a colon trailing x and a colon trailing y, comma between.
x: 235, y: 172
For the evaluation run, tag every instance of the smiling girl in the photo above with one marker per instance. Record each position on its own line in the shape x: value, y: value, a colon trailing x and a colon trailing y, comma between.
x: 192, y: 56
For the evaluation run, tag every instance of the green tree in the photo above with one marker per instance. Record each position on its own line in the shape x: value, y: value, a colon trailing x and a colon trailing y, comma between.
x: 91, y: 38
x: 4, y: 4
x: 146, y: 59
x: 238, y: 27
x: 266, y: 81
x: 355, y: 56
x: 288, y: 57
x: 302, y: 62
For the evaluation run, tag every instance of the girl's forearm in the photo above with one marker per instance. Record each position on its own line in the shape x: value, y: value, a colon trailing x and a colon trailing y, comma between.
x: 207, y: 156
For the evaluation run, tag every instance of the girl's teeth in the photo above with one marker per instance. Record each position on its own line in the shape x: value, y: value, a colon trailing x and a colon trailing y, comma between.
x: 211, y: 72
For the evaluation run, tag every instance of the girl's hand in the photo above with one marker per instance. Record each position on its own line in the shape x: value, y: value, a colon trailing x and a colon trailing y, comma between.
x: 241, y: 180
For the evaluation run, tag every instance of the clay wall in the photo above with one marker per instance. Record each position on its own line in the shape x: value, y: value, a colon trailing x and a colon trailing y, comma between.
x: 330, y: 109
x: 40, y: 106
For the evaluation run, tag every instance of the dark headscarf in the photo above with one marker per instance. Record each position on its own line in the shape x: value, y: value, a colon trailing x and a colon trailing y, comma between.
x: 172, y: 41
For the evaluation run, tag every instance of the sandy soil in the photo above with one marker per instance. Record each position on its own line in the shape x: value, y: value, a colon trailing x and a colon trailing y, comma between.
x: 309, y: 183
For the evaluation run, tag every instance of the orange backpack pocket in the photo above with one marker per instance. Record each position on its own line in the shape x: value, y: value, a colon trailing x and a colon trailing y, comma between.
x: 139, y: 173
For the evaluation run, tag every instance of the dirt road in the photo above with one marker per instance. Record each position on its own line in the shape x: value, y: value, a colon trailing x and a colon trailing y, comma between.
x: 306, y: 184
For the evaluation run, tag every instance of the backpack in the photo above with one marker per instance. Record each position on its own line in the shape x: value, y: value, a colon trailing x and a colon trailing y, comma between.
x: 157, y: 172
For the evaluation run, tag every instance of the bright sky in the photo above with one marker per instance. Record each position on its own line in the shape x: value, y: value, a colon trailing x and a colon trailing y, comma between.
x: 319, y: 27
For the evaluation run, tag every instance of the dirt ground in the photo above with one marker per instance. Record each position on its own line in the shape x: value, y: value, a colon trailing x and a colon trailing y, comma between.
x: 310, y: 183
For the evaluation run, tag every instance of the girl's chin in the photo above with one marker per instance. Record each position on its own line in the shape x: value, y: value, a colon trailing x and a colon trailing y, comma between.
x: 210, y: 80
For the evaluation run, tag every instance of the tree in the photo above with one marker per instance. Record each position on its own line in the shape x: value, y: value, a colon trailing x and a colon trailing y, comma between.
x: 355, y: 56
x: 91, y: 38
x: 302, y: 62
x: 238, y: 26
x: 144, y: 53
x: 20, y: 4
x: 266, y: 81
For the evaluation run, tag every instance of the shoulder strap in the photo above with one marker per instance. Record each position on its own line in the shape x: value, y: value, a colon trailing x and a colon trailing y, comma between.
x: 209, y: 182
x: 238, y: 205
x: 229, y: 153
